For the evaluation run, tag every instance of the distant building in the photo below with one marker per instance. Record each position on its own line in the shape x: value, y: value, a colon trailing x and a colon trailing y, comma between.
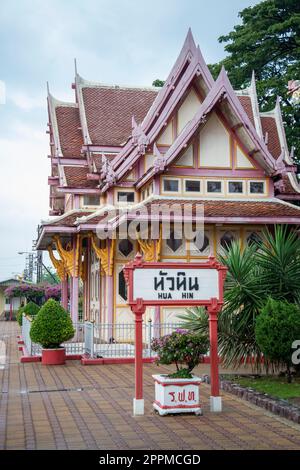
x: 9, y: 306
x: 195, y: 140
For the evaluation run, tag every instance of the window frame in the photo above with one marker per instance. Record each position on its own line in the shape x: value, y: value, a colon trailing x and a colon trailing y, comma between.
x: 264, y: 193
x: 90, y: 205
x: 221, y: 193
x: 125, y: 191
x: 185, y: 191
x: 171, y: 179
x: 235, y: 181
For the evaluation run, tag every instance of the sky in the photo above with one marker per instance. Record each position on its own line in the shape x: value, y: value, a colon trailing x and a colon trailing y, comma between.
x: 126, y: 42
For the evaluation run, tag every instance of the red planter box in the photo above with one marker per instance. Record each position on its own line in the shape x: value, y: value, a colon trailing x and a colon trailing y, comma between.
x: 53, y: 357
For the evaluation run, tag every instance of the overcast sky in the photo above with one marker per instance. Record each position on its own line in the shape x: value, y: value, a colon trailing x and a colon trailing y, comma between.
x: 115, y: 41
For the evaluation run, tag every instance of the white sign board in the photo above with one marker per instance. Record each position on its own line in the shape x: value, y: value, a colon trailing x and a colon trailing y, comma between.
x: 175, y: 284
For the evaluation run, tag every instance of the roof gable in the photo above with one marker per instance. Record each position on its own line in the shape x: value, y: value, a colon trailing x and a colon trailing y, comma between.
x: 222, y: 91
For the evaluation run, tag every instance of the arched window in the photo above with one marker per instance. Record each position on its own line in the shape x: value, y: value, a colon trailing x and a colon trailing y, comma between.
x: 174, y: 243
x: 254, y: 238
x: 226, y: 240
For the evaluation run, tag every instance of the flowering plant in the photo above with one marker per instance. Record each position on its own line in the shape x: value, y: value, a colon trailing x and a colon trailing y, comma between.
x: 29, y: 291
x: 35, y: 293
x: 53, y: 291
x: 182, y: 347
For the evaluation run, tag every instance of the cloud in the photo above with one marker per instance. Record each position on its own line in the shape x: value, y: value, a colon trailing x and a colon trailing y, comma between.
x: 26, y: 101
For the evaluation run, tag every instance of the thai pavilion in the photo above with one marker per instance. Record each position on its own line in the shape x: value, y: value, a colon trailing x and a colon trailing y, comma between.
x: 195, y: 140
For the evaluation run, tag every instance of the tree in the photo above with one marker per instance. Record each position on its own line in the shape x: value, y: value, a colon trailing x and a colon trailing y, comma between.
x: 277, y: 327
x: 158, y: 83
x: 50, y: 276
x: 268, y: 42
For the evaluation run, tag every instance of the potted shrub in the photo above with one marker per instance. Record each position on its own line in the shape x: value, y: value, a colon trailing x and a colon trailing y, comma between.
x: 50, y: 328
x: 178, y: 392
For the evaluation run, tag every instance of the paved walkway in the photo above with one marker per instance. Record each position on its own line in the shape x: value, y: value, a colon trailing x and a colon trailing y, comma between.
x: 90, y: 407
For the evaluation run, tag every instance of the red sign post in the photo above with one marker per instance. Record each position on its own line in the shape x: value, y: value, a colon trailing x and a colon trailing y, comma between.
x: 165, y: 284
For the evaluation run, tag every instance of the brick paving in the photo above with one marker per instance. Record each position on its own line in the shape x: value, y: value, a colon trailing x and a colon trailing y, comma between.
x: 90, y: 407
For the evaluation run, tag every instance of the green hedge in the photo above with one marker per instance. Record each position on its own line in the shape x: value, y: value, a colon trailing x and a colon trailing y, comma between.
x: 277, y: 326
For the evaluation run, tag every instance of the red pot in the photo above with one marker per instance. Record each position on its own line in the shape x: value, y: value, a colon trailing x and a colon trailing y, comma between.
x: 53, y: 357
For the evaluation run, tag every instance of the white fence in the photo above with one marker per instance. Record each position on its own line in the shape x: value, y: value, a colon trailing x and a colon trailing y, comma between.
x: 105, y: 340
x: 73, y: 346
x: 118, y: 340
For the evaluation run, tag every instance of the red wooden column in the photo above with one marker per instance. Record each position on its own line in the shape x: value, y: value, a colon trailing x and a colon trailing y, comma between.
x: 138, y: 401
x: 215, y: 398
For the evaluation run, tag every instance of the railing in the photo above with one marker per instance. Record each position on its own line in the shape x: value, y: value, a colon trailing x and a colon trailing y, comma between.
x: 118, y: 340
x: 104, y: 340
x: 73, y: 346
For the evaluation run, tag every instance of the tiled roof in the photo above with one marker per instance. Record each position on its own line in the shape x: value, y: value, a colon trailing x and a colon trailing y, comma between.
x: 68, y: 219
x: 109, y: 110
x: 269, y: 125
x: 288, y: 188
x: 76, y: 177
x: 238, y: 208
x: 69, y: 131
x: 230, y: 209
x: 247, y: 105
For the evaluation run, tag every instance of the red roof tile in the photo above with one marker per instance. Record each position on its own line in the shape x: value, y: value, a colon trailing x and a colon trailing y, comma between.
x: 76, y: 177
x: 268, y: 124
x: 288, y: 188
x: 226, y: 208
x: 70, y: 135
x: 109, y: 111
x: 68, y: 220
x: 247, y: 105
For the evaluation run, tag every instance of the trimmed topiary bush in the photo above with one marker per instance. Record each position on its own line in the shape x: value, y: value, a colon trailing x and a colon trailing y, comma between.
x: 31, y: 309
x: 20, y: 315
x: 52, y: 326
x: 277, y: 326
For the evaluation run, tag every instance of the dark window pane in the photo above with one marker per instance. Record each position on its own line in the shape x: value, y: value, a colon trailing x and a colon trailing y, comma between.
x: 235, y: 186
x: 214, y: 186
x: 91, y: 200
x: 227, y: 240
x: 171, y: 185
x: 125, y: 247
x: 126, y: 196
x: 256, y: 187
x: 192, y: 186
x: 122, y: 286
x: 254, y: 238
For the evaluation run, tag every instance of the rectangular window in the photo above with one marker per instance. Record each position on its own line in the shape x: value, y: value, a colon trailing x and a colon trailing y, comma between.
x: 257, y: 187
x: 235, y: 187
x: 91, y: 200
x: 171, y: 186
x: 125, y: 196
x: 214, y: 186
x: 192, y: 186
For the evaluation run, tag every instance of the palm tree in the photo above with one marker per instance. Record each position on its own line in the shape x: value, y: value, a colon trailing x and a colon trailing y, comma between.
x: 279, y: 259
x: 255, y: 272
